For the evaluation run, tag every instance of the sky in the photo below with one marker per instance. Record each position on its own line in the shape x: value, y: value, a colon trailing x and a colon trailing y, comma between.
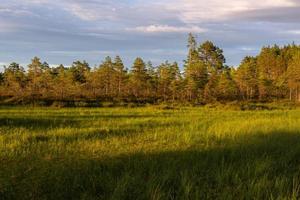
x: 62, y: 31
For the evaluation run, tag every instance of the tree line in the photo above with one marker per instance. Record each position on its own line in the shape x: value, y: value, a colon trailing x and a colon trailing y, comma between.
x: 274, y: 74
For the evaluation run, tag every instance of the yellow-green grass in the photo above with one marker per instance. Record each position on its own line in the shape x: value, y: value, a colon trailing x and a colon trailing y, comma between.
x: 149, y: 153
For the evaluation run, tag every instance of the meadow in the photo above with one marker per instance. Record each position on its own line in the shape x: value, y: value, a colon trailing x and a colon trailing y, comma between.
x: 149, y: 153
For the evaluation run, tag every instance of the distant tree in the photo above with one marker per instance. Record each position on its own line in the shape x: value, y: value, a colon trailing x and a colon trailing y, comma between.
x: 212, y: 56
x: 2, y: 89
x: 226, y: 88
x: 14, y: 81
x: 196, y: 74
x: 196, y: 78
x: 294, y: 76
x: 270, y: 69
x: 64, y: 87
x: 1, y: 78
x: 246, y: 78
x: 46, y: 82
x: 93, y: 85
x: 79, y: 70
x: 288, y: 53
x: 152, y: 81
x: 138, y: 78
x: 165, y: 78
x: 105, y: 76
x: 120, y: 75
x: 55, y: 70
x: 211, y: 90
x: 45, y: 66
x: 176, y: 85
x: 34, y: 76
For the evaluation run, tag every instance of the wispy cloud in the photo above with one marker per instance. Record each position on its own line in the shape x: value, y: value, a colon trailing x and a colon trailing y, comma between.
x: 8, y: 26
x: 76, y: 53
x: 188, y: 11
x: 249, y: 49
x: 92, y: 11
x: 193, y: 11
x: 167, y: 29
x: 293, y: 32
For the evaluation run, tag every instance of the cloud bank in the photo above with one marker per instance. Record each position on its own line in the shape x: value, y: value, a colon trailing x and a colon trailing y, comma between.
x: 61, y: 31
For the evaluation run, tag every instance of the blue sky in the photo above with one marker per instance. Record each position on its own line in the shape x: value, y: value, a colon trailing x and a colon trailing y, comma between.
x: 62, y: 31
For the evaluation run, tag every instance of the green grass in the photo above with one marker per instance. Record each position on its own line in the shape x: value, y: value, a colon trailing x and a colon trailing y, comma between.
x: 149, y: 153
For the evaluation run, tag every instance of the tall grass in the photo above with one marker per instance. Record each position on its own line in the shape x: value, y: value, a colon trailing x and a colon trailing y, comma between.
x: 149, y: 153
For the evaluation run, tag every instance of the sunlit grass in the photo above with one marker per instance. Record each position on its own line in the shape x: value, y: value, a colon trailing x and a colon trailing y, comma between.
x: 149, y: 153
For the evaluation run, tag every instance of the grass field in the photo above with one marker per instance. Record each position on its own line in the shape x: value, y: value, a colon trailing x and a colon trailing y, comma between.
x: 149, y: 153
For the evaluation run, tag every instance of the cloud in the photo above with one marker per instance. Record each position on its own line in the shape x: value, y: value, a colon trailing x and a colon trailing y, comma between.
x: 77, y: 53
x: 92, y: 10
x: 137, y: 11
x: 8, y: 26
x: 88, y: 10
x: 167, y: 29
x: 293, y: 32
x: 61, y: 31
x: 251, y: 49
x: 194, y: 11
x: 273, y: 14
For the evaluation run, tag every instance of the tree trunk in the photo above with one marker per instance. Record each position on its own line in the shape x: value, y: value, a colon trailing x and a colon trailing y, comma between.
x: 298, y: 95
x: 247, y: 93
x: 119, y: 86
x: 164, y: 94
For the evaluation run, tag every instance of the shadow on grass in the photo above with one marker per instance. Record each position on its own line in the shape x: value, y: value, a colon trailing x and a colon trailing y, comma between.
x: 258, y: 166
x: 130, y: 130
x: 36, y: 123
x: 55, y: 121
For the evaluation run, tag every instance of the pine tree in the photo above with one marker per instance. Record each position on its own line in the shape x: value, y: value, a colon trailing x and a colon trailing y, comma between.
x: 195, y: 72
x: 79, y: 70
x: 14, y: 81
x: 138, y: 78
x: 266, y: 62
x: 34, y: 76
x: 152, y: 81
x: 46, y: 82
x: 196, y: 77
x: 120, y: 75
x: 246, y: 78
x: 294, y: 76
x: 212, y: 56
x: 105, y: 76
x: 64, y: 87
x: 164, y: 80
x: 211, y: 90
x: 176, y: 85
x: 226, y: 87
x: 92, y: 85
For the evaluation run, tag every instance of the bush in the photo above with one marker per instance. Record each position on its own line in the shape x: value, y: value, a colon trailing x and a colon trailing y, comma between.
x: 58, y: 104
x: 250, y: 106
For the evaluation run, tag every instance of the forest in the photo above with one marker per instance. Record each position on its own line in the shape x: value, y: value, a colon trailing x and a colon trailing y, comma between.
x: 274, y: 74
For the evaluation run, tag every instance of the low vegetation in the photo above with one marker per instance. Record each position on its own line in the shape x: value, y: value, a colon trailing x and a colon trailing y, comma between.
x: 149, y: 153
